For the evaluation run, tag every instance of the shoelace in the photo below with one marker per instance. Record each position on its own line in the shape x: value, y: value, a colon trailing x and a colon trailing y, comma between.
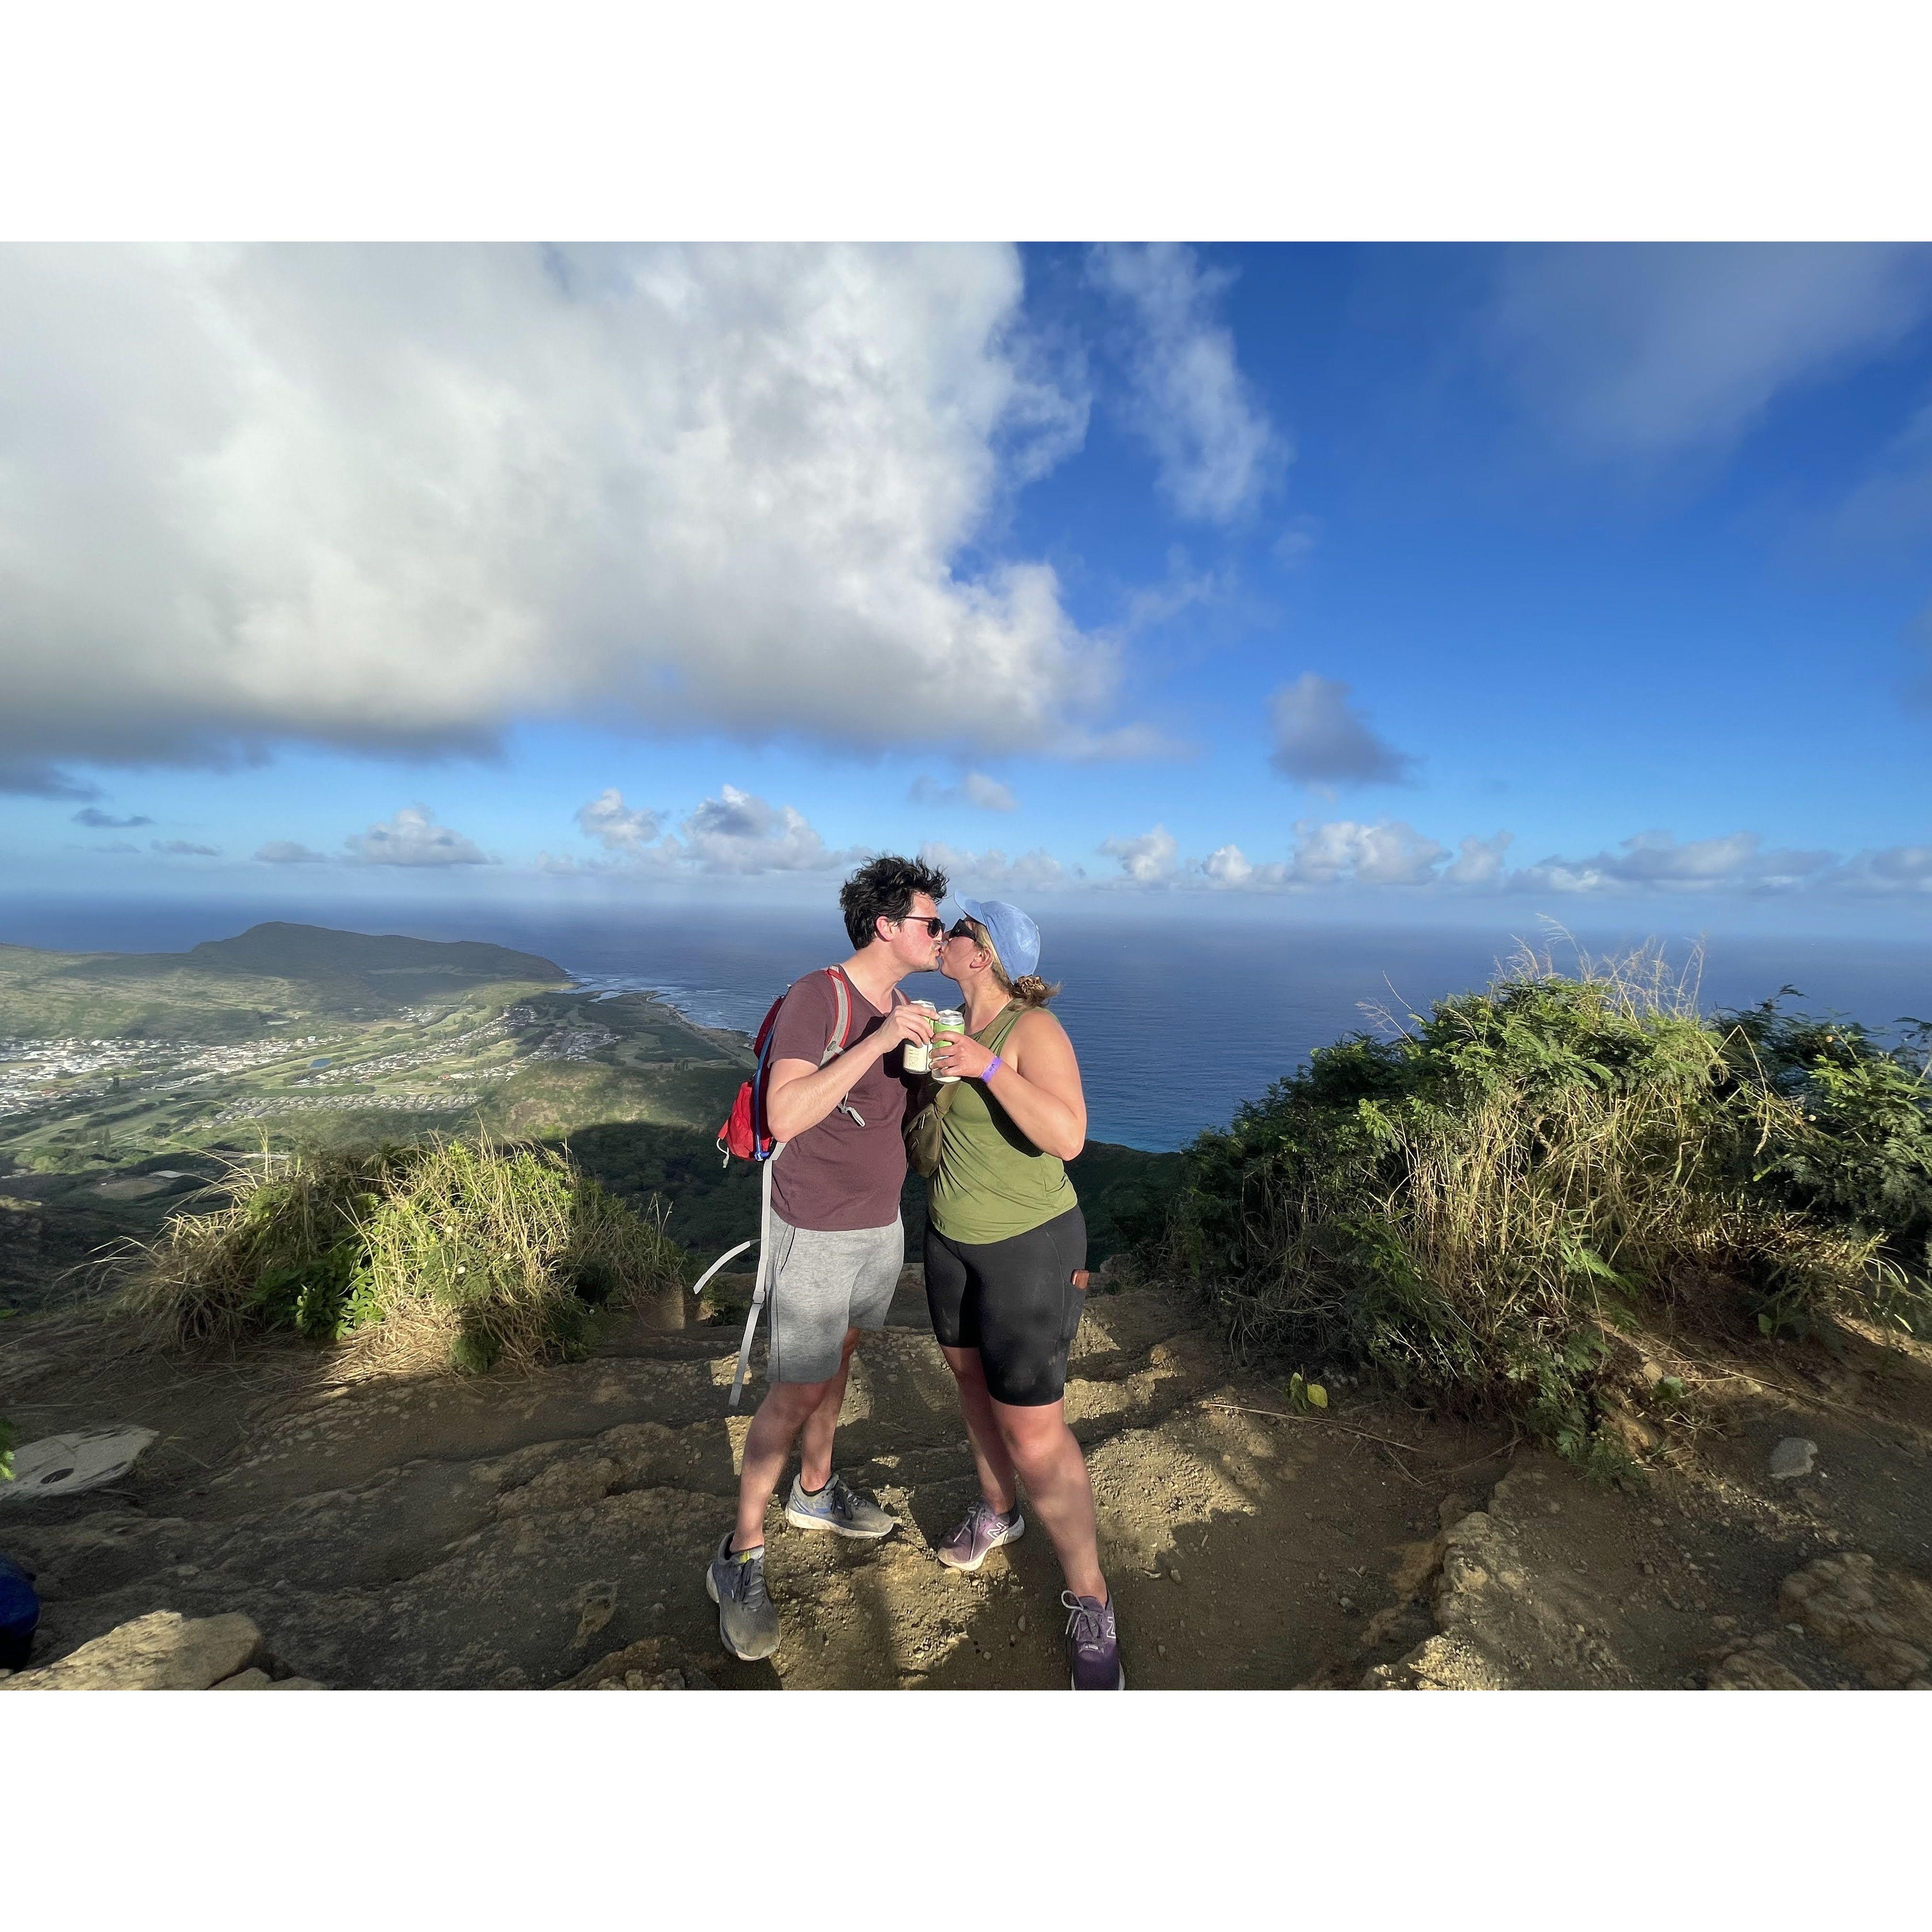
x: 752, y: 1592
x: 982, y: 1513
x: 1084, y: 1626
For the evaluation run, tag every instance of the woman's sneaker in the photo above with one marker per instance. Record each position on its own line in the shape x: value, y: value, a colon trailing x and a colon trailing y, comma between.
x: 748, y: 1619
x: 967, y: 1544
x: 1093, y: 1645
x: 841, y: 1510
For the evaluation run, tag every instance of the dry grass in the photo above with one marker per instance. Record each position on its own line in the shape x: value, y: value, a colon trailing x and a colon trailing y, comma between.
x: 446, y: 1252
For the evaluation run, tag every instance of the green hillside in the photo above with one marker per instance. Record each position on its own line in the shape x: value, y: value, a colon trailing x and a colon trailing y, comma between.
x: 225, y: 990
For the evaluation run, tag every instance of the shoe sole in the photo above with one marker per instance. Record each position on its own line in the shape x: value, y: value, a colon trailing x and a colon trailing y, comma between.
x: 798, y: 1520
x: 742, y: 1656
x: 1013, y: 1535
x: 1122, y: 1685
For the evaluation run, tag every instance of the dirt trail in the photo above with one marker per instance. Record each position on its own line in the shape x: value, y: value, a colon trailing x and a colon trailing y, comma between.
x: 515, y: 1532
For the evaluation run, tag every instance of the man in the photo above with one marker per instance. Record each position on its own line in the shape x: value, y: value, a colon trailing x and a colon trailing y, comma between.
x: 837, y: 1243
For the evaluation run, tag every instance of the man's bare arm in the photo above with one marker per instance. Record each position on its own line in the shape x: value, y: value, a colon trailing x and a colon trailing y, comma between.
x: 799, y: 1095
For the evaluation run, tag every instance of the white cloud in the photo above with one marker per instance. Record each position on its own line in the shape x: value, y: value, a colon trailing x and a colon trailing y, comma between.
x: 1643, y: 351
x: 1037, y: 871
x: 1657, y: 862
x: 287, y: 852
x: 1149, y: 860
x: 1321, y: 740
x: 1479, y: 861
x: 1898, y: 869
x: 106, y: 820
x: 1218, y: 452
x: 1388, y: 854
x: 976, y: 788
x: 1227, y: 866
x: 737, y: 832
x: 413, y: 838
x: 616, y: 827
x: 181, y: 848
x: 394, y: 498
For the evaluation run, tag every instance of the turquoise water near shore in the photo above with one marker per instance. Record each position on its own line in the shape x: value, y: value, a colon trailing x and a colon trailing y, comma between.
x: 1176, y: 1023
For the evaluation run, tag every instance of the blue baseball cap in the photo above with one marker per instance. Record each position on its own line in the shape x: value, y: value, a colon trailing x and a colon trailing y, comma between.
x: 1015, y: 937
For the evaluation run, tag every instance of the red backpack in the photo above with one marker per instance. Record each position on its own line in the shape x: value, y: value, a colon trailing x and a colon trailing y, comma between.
x: 747, y: 1131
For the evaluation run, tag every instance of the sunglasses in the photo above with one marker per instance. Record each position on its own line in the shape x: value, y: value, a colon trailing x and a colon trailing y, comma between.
x: 964, y: 930
x: 933, y: 927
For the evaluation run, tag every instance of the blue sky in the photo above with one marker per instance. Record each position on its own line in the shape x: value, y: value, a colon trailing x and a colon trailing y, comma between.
x: 1389, y: 582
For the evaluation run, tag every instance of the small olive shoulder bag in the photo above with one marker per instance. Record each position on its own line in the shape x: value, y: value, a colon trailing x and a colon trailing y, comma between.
x: 924, y: 1126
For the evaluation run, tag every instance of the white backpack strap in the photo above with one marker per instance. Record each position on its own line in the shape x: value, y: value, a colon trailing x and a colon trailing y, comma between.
x: 763, y: 1277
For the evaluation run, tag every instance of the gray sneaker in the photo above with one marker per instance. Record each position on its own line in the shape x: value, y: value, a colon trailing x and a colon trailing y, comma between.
x: 838, y: 1509
x: 748, y: 1619
x: 967, y: 1544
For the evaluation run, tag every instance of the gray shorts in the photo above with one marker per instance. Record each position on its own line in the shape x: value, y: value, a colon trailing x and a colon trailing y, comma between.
x: 822, y: 1283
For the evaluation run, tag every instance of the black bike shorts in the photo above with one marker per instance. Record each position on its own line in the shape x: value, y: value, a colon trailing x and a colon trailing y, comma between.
x: 1014, y: 1301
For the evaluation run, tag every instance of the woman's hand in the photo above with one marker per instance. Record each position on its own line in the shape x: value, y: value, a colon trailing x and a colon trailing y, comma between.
x: 959, y: 1053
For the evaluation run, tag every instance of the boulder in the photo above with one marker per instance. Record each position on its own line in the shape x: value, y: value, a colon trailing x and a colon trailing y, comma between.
x: 162, y: 1651
x: 1793, y: 1457
x: 1879, y: 1621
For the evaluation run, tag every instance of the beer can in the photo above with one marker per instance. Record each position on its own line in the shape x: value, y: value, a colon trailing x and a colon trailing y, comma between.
x: 918, y: 1053
x: 950, y: 1019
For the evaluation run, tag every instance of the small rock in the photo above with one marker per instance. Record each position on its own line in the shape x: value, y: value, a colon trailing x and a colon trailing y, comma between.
x: 1011, y: 1640
x: 1793, y: 1457
x: 1022, y: 1624
x: 1174, y: 1573
x: 1647, y: 1569
x: 1162, y: 1648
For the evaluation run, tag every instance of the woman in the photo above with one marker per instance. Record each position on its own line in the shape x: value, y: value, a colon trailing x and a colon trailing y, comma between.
x: 1006, y: 1259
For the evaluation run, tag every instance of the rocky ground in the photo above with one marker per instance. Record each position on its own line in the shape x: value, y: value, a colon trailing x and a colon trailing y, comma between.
x: 553, y: 1529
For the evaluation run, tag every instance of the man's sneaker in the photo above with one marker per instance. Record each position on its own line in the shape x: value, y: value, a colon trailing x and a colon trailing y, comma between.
x: 1093, y: 1647
x: 838, y: 1509
x: 967, y: 1544
x: 748, y: 1619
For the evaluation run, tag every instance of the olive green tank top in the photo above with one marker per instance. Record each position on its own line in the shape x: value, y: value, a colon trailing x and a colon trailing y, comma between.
x: 992, y: 1182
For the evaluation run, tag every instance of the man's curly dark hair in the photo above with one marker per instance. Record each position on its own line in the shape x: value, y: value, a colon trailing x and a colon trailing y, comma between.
x: 882, y: 889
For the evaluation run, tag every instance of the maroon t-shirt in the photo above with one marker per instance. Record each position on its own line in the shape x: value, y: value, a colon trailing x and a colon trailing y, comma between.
x: 840, y: 1175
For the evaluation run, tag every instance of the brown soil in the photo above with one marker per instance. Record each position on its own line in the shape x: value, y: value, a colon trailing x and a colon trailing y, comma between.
x: 525, y: 1531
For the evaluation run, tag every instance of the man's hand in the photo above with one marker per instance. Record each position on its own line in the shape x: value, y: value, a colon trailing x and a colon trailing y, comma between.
x: 903, y: 1023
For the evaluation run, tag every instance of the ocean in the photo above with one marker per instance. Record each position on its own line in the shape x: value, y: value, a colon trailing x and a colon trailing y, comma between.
x: 1176, y: 1023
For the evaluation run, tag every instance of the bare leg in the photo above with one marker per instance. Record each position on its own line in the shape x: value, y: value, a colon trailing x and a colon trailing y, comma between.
x: 997, y: 1481
x: 1048, y: 1457
x: 814, y: 1453
x: 768, y: 1449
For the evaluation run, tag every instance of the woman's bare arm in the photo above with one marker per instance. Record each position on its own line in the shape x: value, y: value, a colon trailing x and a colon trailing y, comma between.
x: 1038, y: 1082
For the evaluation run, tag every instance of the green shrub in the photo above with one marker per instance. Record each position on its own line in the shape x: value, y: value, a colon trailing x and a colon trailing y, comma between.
x: 1478, y: 1206
x: 7, y: 1441
x: 442, y: 1251
x: 1862, y: 1160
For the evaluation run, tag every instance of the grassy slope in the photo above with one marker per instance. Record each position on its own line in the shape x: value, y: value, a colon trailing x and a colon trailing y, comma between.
x: 641, y: 1113
x: 228, y: 990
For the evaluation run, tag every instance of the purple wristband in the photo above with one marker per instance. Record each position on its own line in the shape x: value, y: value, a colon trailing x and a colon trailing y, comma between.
x: 993, y: 1066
